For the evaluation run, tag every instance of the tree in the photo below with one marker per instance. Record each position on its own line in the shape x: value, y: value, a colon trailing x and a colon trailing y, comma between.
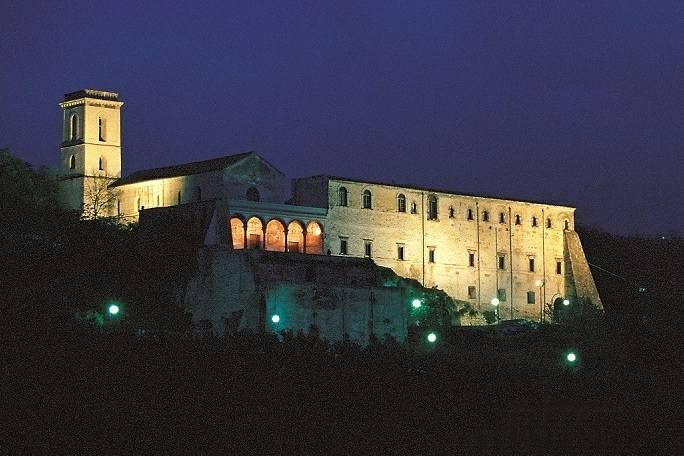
x: 98, y: 197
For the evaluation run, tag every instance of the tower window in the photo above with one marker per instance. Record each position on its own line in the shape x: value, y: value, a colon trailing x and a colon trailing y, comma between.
x: 451, y: 212
x: 72, y: 162
x: 517, y: 219
x: 534, y: 221
x: 342, y: 197
x: 101, y: 164
x: 531, y: 298
x: 471, y: 259
x: 548, y: 223
x: 431, y: 254
x: 401, y: 203
x: 502, y: 262
x: 501, y: 294
x: 367, y: 200
x: 502, y: 217
x: 559, y: 267
x: 485, y: 216
x: 567, y: 225
x: 101, y: 128
x: 470, y: 214
x: 253, y: 194
x: 400, y: 252
x: 73, y: 133
x: 368, y: 248
x: 531, y: 263
x: 413, y: 207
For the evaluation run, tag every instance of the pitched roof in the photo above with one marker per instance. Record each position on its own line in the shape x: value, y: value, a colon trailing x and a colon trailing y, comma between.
x: 183, y: 169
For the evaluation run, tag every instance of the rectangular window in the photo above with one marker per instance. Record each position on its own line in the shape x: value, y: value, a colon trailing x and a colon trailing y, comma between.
x: 501, y: 294
x: 400, y: 252
x: 531, y: 298
x: 531, y: 264
x: 471, y: 259
x: 368, y: 248
x: 431, y: 254
x: 502, y: 261
x: 502, y: 217
x: 470, y: 214
x: 472, y: 293
x: 559, y: 268
x: 343, y: 246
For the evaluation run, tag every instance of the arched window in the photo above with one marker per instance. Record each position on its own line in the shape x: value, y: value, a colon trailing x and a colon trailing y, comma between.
x: 548, y: 223
x: 72, y: 162
x: 432, y: 207
x: 534, y: 221
x: 485, y: 216
x: 567, y: 225
x: 253, y: 194
x: 413, y: 207
x: 367, y: 200
x: 275, y: 236
x: 517, y: 219
x: 470, y: 214
x: 502, y: 217
x: 342, y: 197
x: 401, y: 203
x: 101, y: 164
x: 73, y: 133
x: 237, y: 229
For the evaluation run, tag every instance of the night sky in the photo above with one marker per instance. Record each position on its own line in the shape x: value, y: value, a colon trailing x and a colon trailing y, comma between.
x: 580, y: 103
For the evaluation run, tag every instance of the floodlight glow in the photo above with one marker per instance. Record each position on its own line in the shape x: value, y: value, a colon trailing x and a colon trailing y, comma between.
x: 495, y: 301
x: 571, y: 357
x: 432, y: 337
x: 566, y: 302
x: 416, y: 303
x: 539, y: 283
x: 113, y: 309
x: 275, y: 318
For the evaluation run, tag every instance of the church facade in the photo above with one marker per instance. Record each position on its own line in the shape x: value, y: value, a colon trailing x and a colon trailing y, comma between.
x: 522, y: 259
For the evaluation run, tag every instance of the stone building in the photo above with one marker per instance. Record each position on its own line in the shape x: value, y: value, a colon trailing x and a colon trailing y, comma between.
x: 482, y: 250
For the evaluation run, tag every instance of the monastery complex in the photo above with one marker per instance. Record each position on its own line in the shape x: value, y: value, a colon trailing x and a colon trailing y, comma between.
x: 476, y: 248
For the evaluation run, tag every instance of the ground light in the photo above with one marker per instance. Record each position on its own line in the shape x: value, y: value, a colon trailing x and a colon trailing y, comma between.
x: 571, y: 358
x: 416, y: 303
x: 566, y: 302
x: 113, y: 309
x: 432, y: 338
x: 275, y: 318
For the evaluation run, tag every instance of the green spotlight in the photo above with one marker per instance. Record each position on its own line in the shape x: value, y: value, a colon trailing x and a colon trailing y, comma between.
x: 275, y: 318
x: 571, y: 357
x: 416, y: 303
x: 432, y: 338
x: 566, y: 302
x: 113, y: 309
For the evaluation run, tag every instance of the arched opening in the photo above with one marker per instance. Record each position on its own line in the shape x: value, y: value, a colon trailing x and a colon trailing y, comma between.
x: 255, y: 232
x: 237, y: 230
x: 548, y: 223
x: 517, y: 219
x: 253, y: 194
x: 101, y: 128
x: 401, y: 203
x: 567, y: 225
x: 343, y: 197
x: 432, y: 207
x: 73, y: 133
x: 314, y: 238
x: 72, y: 162
x: 295, y: 237
x: 275, y: 236
x: 367, y: 202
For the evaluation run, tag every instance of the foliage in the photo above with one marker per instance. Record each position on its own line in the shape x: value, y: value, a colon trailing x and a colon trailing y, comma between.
x: 99, y: 198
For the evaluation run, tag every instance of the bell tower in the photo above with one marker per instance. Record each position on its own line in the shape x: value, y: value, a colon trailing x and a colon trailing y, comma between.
x: 90, y: 151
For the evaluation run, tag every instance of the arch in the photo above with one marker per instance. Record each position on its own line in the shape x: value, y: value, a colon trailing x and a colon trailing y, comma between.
x: 72, y: 162
x: 295, y: 237
x: 255, y: 233
x: 432, y: 207
x: 343, y: 197
x: 566, y: 225
x: 517, y: 219
x: 314, y: 238
x: 367, y: 199
x: 253, y: 194
x: 275, y: 236
x: 401, y: 202
x: 237, y: 230
x: 73, y: 132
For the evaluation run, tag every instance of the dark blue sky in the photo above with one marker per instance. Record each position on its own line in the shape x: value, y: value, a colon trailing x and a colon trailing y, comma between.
x: 578, y: 103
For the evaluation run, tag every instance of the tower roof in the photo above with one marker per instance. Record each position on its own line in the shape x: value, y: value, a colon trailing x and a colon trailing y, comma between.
x: 91, y: 93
